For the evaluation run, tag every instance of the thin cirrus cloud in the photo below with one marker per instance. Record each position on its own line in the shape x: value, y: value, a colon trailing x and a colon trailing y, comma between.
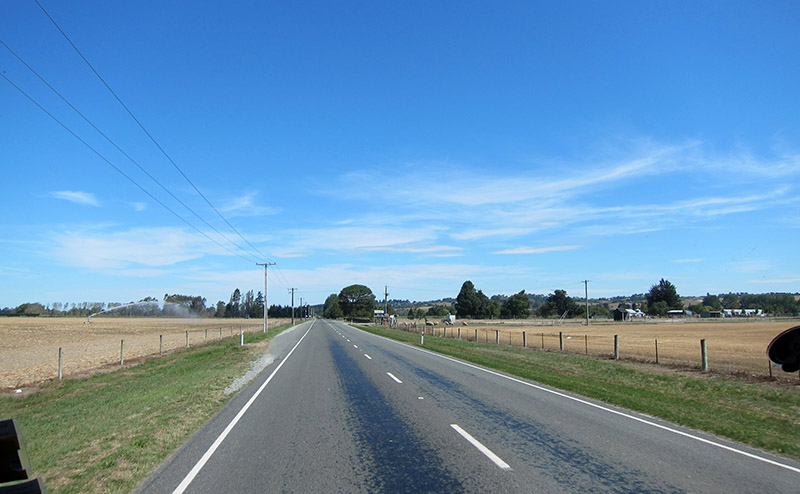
x: 246, y: 206
x: 77, y: 197
x: 536, y: 250
x: 137, y: 247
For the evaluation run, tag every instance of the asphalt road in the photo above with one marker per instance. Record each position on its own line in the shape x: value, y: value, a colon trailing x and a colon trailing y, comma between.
x: 341, y: 410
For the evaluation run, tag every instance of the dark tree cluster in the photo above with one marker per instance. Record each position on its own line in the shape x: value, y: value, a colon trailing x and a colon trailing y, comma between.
x: 353, y: 302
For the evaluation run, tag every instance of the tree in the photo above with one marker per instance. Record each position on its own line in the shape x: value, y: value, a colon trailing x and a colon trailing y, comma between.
x: 731, y: 301
x: 331, y: 309
x: 516, y: 306
x: 258, y: 306
x: 467, y: 302
x: 665, y: 292
x: 357, y: 301
x: 232, y: 309
x: 712, y: 301
x: 411, y: 314
x: 487, y: 308
x: 559, y: 305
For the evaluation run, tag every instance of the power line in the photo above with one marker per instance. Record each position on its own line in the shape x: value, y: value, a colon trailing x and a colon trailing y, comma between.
x: 118, y: 148
x: 116, y: 168
x: 150, y: 136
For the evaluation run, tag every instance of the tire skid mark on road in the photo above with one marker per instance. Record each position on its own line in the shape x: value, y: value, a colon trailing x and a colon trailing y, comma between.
x: 563, y: 460
x: 401, y: 460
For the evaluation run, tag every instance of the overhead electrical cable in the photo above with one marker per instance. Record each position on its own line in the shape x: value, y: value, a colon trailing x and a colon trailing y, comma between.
x: 141, y: 126
x: 118, y: 170
x: 107, y: 138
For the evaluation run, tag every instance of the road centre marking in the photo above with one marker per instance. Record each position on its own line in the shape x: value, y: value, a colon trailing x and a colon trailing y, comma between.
x: 370, y: 358
x: 601, y: 407
x: 207, y: 455
x: 398, y: 381
x: 355, y: 346
x: 483, y: 449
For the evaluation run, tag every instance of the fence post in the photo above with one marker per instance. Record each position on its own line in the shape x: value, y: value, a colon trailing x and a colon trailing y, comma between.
x: 497, y: 336
x: 656, y: 351
x: 206, y: 337
x: 121, y: 352
x: 704, y: 355
x: 161, y: 345
x: 586, y: 343
x: 524, y: 340
x: 220, y: 333
x: 187, y: 339
x: 241, y: 337
x: 444, y: 332
x: 542, y: 340
x: 476, y: 336
x: 616, y: 347
x: 459, y: 333
x: 60, y: 355
x: 769, y: 362
x: 560, y: 341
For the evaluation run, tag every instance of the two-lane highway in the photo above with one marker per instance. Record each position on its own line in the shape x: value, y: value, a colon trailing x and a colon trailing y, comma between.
x: 345, y: 411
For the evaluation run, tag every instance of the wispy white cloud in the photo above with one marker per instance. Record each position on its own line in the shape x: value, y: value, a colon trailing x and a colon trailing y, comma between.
x: 77, y: 197
x: 139, y: 206
x: 299, y: 243
x: 689, y: 261
x: 537, y: 250
x: 795, y: 279
x: 131, y: 249
x: 245, y: 205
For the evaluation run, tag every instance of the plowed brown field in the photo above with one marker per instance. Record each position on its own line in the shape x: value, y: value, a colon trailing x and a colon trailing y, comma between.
x: 29, y: 346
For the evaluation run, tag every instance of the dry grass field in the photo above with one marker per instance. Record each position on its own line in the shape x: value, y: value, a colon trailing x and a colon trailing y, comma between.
x: 29, y: 346
x: 735, y: 346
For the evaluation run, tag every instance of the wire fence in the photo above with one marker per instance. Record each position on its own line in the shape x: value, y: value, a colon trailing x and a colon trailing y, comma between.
x: 714, y: 351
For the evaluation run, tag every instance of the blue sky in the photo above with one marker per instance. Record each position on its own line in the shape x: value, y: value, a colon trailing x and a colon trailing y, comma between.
x: 415, y: 145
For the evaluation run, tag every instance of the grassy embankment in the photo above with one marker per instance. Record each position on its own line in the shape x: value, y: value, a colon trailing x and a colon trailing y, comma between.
x: 764, y: 415
x: 108, y: 432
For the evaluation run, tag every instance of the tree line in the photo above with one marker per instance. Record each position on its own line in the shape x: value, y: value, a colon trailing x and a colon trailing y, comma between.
x: 247, y: 305
x: 473, y: 303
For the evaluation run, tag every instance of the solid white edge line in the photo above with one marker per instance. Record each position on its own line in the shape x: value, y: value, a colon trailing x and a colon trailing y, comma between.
x: 483, y: 449
x: 398, y: 381
x: 600, y: 407
x: 207, y: 455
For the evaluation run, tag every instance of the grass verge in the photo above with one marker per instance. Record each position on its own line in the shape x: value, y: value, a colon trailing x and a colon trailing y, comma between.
x: 110, y: 431
x: 763, y: 415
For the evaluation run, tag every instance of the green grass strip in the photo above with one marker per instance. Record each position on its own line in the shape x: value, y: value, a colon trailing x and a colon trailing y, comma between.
x: 764, y: 415
x: 109, y: 432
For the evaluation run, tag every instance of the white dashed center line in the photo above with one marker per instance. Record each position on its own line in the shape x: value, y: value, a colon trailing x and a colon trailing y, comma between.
x: 483, y: 449
x: 398, y: 381
x: 370, y: 358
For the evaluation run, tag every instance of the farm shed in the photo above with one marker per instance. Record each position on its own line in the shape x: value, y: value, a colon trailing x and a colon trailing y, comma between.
x: 626, y: 314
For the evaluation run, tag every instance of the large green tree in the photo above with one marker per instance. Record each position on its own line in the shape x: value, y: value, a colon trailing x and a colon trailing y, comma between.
x: 516, y: 306
x: 558, y: 304
x: 331, y: 309
x: 357, y: 301
x: 467, y: 301
x: 665, y: 292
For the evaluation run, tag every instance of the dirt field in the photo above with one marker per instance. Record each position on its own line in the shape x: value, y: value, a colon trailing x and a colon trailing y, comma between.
x: 29, y: 346
x: 735, y: 346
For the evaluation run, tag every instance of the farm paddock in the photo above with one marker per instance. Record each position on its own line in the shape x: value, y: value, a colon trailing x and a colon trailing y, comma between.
x: 29, y: 346
x: 735, y: 346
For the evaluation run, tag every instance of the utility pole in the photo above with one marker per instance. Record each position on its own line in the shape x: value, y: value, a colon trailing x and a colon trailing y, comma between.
x: 385, y: 303
x: 266, y: 265
x: 293, y: 290
x: 301, y: 308
x: 586, y: 288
